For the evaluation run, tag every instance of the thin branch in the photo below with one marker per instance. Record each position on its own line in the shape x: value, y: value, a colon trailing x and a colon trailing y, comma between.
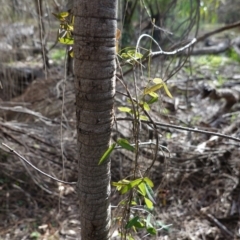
x: 35, y: 168
x: 193, y: 41
x: 184, y: 128
x: 220, y: 225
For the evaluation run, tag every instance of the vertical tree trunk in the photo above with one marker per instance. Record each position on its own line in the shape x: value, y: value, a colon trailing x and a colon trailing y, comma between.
x: 94, y: 53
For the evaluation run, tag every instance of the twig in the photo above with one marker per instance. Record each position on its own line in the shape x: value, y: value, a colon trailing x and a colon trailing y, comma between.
x: 184, y: 128
x: 161, y: 52
x: 34, y: 167
x: 193, y: 41
x: 220, y: 225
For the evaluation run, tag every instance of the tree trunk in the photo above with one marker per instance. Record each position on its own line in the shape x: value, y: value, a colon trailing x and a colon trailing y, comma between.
x: 94, y: 66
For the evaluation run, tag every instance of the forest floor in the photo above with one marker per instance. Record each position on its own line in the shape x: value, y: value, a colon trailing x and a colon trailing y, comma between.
x: 196, y: 174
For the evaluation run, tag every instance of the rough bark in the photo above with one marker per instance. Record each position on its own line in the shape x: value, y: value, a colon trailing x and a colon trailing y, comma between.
x: 94, y: 53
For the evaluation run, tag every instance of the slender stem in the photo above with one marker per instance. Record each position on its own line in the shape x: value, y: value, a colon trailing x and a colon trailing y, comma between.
x: 34, y: 167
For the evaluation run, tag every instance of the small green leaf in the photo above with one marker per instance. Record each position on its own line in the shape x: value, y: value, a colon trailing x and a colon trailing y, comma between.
x: 125, y: 109
x: 150, y: 193
x: 134, y: 222
x: 154, y: 97
x: 158, y: 81
x: 125, y: 144
x: 153, y: 88
x: 35, y: 235
x: 135, y: 182
x: 133, y: 203
x: 149, y: 182
x: 148, y: 223
x: 149, y: 203
x: 66, y: 40
x: 119, y: 185
x: 142, y: 189
x: 130, y: 185
x: 167, y: 91
x: 142, y: 117
x: 129, y: 237
x: 125, y: 189
x: 162, y: 225
x: 131, y: 222
x: 107, y: 153
x: 69, y: 27
x: 146, y: 106
x: 152, y: 230
x: 131, y: 55
x: 61, y: 16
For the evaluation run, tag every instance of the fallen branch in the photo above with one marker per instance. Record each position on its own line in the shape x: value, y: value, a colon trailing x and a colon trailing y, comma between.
x: 183, y: 128
x: 30, y: 164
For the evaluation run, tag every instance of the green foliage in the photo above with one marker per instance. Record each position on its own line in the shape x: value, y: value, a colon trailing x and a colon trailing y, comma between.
x: 35, y: 235
x: 212, y: 61
x: 148, y: 97
x: 207, y: 10
x: 107, y: 153
x: 142, y: 191
x: 142, y: 186
x: 158, y: 84
x: 65, y: 32
x: 232, y: 54
x: 125, y: 144
x: 58, y: 54
x: 131, y: 56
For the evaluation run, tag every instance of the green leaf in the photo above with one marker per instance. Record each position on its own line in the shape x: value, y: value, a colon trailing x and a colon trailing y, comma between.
x: 153, y: 88
x: 130, y: 185
x: 150, y: 193
x: 158, y: 81
x: 162, y: 225
x: 107, y: 153
x: 135, y: 182
x: 154, y: 97
x: 134, y: 222
x: 129, y: 237
x: 120, y: 184
x: 152, y: 230
x: 131, y: 55
x: 35, y: 235
x: 133, y: 203
x: 131, y: 222
x: 148, y: 181
x: 146, y: 106
x: 125, y: 109
x: 125, y: 189
x: 125, y: 144
x: 148, y: 223
x: 69, y: 27
x: 149, y: 203
x: 66, y: 40
x: 61, y: 16
x: 167, y: 91
x: 142, y: 117
x: 142, y: 189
